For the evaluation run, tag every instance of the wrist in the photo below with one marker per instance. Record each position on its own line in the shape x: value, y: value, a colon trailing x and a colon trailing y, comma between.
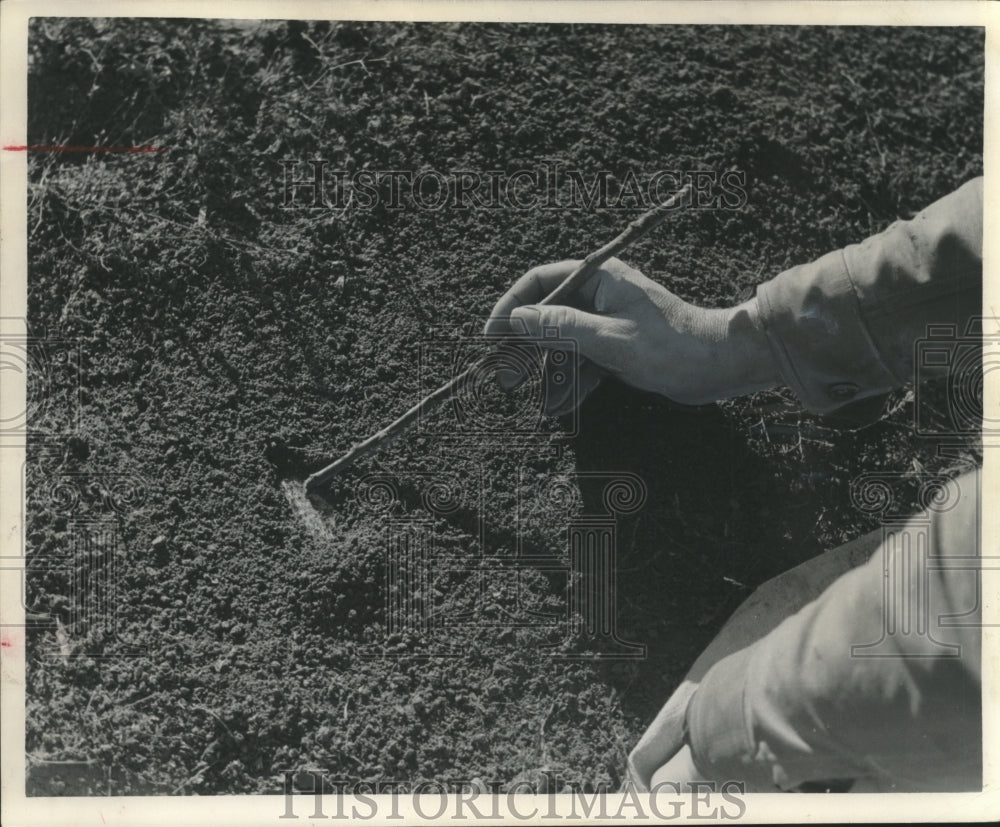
x: 745, y: 361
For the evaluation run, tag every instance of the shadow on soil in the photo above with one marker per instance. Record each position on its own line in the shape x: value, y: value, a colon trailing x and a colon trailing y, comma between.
x: 696, y: 549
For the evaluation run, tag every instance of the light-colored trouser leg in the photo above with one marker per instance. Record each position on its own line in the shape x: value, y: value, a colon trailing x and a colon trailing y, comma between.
x: 770, y: 604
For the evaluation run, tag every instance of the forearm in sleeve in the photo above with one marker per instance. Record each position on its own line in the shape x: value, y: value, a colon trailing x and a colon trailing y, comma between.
x: 877, y: 678
x: 844, y: 327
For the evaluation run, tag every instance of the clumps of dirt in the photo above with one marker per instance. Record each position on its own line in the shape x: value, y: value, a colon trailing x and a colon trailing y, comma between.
x: 217, y: 327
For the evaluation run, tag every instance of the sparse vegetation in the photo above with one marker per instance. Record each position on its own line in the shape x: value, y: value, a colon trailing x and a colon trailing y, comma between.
x: 211, y: 319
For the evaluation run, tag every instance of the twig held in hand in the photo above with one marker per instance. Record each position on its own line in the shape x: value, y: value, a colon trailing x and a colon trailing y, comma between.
x: 572, y: 283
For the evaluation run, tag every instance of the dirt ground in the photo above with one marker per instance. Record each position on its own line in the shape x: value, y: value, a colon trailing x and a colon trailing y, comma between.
x: 228, y: 343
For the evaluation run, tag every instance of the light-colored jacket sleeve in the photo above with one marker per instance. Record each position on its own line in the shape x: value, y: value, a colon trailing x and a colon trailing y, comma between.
x: 843, y: 327
x: 879, y: 678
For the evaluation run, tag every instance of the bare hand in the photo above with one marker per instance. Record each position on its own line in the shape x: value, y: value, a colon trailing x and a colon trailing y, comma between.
x: 630, y: 327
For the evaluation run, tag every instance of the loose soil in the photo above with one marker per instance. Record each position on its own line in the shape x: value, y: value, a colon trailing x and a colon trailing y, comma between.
x: 228, y: 345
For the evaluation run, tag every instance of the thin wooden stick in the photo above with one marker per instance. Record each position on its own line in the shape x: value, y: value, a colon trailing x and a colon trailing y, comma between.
x: 572, y: 283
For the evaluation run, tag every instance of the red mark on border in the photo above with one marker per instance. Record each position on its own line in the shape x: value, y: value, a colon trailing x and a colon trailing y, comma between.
x: 11, y: 644
x: 41, y: 148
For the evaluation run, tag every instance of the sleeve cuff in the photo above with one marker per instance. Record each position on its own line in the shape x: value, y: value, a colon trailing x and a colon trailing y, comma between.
x: 824, y: 351
x: 717, y: 728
